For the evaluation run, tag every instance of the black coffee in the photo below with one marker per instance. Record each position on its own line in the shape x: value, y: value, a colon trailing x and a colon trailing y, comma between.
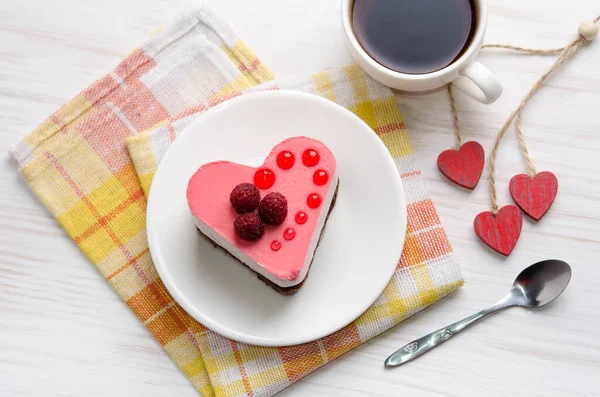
x: 413, y: 36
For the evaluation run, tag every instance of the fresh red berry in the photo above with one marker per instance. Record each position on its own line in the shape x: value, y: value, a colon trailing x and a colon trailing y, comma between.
x: 249, y: 227
x: 245, y: 198
x: 273, y: 209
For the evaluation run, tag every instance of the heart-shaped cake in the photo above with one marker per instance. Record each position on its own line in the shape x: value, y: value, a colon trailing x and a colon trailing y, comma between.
x: 270, y: 217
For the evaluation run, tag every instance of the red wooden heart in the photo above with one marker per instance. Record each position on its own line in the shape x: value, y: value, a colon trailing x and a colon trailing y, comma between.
x: 500, y: 231
x: 534, y: 195
x: 463, y: 166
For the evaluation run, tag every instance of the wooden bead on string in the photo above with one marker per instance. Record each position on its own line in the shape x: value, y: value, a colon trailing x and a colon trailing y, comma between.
x: 588, y: 30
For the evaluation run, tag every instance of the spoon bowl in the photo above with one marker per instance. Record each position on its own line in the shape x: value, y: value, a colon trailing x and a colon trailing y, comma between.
x: 540, y: 283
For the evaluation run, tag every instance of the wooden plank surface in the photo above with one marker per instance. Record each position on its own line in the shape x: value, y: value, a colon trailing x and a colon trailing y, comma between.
x: 63, y: 332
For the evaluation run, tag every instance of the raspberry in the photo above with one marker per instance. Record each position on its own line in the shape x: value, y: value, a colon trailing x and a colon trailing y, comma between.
x: 273, y: 209
x: 245, y: 197
x: 249, y: 227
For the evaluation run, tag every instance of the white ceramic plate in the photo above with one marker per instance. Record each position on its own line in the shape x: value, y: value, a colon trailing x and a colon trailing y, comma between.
x: 359, y: 250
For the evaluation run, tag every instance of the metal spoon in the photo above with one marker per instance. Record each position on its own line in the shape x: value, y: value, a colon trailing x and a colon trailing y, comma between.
x: 535, y: 286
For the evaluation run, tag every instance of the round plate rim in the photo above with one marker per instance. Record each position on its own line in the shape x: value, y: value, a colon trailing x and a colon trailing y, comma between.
x: 189, y: 307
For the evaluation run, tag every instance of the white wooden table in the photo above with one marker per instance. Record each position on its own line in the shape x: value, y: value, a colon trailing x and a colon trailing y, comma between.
x: 64, y: 332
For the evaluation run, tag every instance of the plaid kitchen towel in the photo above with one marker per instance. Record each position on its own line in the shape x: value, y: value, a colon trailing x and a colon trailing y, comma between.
x: 79, y: 164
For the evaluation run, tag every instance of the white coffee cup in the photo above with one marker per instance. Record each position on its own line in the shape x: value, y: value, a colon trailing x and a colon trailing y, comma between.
x: 465, y: 72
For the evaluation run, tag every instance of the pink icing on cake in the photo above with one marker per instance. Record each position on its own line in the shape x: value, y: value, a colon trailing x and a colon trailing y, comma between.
x: 285, y: 262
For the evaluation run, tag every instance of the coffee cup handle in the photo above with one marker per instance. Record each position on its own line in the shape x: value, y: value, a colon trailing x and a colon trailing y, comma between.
x: 478, y: 82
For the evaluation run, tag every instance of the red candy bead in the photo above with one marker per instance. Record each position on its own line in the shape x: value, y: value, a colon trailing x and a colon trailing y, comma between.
x: 310, y: 157
x: 264, y: 178
x: 301, y: 218
x: 320, y: 177
x: 313, y: 200
x: 275, y: 245
x: 285, y: 160
x: 289, y: 233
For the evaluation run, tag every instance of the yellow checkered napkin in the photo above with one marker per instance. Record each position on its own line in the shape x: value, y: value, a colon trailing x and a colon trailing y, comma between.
x: 95, y: 184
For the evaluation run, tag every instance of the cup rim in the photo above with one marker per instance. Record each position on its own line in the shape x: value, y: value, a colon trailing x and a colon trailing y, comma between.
x: 474, y: 46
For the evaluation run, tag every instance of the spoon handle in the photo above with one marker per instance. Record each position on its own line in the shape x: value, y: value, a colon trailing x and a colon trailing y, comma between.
x: 424, y: 344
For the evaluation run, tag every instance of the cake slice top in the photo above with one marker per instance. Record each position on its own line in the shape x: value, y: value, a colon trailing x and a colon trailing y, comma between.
x: 304, y: 171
